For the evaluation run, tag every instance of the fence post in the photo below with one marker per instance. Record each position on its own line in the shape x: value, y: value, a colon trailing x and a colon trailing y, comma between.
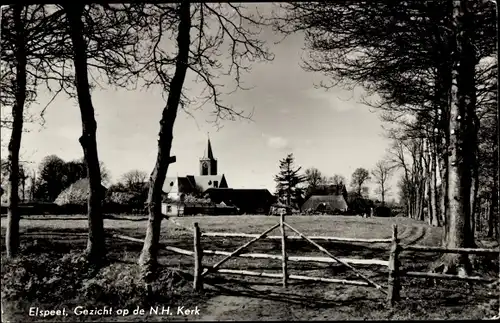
x: 283, y: 251
x: 394, y: 278
x: 198, y: 256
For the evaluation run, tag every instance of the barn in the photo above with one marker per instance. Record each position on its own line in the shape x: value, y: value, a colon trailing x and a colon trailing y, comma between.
x: 249, y: 201
x: 325, y: 203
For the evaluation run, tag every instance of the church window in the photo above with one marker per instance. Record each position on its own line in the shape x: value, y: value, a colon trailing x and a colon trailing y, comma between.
x: 209, y: 182
x: 204, y: 168
x: 216, y: 184
x: 171, y: 183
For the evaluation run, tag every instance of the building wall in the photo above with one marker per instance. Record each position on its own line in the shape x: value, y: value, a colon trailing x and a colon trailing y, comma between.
x: 170, y: 209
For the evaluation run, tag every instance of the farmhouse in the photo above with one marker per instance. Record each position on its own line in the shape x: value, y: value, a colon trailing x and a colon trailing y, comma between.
x: 325, y: 203
x: 249, y: 201
x: 76, y: 193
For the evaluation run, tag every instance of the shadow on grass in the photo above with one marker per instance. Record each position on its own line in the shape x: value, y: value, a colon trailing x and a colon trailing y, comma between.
x: 232, y: 287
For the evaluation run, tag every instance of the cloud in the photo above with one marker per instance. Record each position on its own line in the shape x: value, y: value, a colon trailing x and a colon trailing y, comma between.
x: 278, y: 143
x: 340, y: 101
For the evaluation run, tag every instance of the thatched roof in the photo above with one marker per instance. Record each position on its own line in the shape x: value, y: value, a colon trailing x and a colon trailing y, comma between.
x: 331, y: 202
x: 76, y: 193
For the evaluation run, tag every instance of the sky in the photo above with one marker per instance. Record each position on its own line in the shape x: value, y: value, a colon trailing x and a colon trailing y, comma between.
x: 330, y: 130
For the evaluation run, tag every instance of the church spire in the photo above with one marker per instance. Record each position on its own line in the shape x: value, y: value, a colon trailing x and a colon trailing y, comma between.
x: 209, y: 154
x: 208, y: 164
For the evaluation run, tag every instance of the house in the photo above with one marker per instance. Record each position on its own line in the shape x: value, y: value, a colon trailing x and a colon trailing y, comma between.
x: 249, y: 201
x: 77, y: 193
x: 172, y: 209
x: 325, y: 204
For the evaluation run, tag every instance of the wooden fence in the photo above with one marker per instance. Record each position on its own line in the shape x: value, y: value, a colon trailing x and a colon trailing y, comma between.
x: 392, y: 291
x: 395, y: 272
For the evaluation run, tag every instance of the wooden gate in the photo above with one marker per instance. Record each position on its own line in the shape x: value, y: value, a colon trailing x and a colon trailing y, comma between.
x: 200, y: 272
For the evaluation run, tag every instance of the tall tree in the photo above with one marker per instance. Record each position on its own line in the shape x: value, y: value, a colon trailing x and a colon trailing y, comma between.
x: 28, y: 45
x: 338, y: 179
x: 288, y: 180
x: 95, y: 242
x: 359, y: 177
x: 148, y: 256
x: 12, y: 234
x: 202, y: 31
x: 106, y: 42
x: 413, y: 75
x: 314, y: 179
x: 381, y: 174
x: 101, y: 39
x: 134, y: 179
x: 461, y: 123
x: 407, y: 154
x: 51, y: 178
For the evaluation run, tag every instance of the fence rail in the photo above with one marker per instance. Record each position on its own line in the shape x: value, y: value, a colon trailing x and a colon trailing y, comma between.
x: 449, y: 277
x: 294, y: 237
x: 395, y: 273
x: 293, y: 277
x: 327, y: 260
x: 476, y: 251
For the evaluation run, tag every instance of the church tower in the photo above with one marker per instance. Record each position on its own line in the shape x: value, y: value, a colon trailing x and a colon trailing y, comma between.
x: 208, y: 164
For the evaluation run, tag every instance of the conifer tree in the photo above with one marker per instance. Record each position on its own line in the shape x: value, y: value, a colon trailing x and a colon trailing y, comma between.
x: 288, y: 182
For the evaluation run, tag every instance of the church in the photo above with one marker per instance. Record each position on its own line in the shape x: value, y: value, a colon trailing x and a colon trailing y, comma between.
x: 175, y: 187
x: 213, y: 185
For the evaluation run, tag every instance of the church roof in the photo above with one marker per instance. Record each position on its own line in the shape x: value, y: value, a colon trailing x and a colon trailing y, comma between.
x: 171, y: 185
x: 207, y: 181
x: 185, y: 184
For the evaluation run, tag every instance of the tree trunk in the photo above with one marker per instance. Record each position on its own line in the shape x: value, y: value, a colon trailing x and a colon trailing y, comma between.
x: 420, y: 208
x: 444, y: 201
x: 459, y: 177
x: 148, y: 258
x: 13, y: 215
x: 23, y: 189
x: 443, y: 94
x: 472, y: 142
x: 383, y: 194
x: 433, y: 189
x: 492, y: 214
x: 481, y: 215
x: 96, y: 241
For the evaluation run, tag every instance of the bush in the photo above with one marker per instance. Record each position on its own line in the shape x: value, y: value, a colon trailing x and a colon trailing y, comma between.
x: 40, y: 278
x: 35, y: 208
x: 48, y: 278
x: 120, y: 199
x: 382, y: 211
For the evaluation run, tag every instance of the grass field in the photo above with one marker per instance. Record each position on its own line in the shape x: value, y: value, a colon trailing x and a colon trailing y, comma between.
x: 51, y: 246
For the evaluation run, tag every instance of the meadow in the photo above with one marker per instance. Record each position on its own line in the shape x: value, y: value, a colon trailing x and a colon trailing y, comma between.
x: 51, y: 272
